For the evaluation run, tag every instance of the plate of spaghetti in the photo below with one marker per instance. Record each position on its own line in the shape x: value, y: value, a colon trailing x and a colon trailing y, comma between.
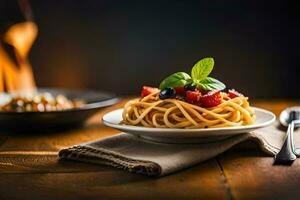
x: 189, y: 108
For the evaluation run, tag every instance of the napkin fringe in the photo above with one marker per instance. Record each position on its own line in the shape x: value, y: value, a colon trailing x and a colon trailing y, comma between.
x: 103, y: 156
x: 264, y: 145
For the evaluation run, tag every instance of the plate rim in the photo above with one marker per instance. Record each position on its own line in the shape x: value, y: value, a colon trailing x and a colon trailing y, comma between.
x: 198, y: 130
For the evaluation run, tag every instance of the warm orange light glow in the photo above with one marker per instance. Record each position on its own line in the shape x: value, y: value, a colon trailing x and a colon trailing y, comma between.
x: 17, y: 76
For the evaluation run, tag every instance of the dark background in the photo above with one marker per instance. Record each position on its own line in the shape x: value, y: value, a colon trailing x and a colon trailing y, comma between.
x: 121, y: 45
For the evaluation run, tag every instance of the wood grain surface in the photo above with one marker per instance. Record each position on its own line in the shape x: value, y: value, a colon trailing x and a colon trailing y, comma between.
x: 30, y: 169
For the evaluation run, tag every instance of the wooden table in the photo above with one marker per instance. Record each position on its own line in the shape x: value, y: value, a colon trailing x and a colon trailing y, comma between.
x: 30, y: 169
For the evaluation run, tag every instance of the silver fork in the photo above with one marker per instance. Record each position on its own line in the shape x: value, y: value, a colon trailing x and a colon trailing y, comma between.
x: 290, y: 117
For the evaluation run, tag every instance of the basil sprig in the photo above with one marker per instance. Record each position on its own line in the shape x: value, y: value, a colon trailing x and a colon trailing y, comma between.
x: 210, y: 83
x: 176, y: 80
x: 202, y: 68
x: 199, y: 77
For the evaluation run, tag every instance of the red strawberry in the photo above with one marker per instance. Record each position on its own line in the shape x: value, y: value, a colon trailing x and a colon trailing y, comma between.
x: 180, y: 91
x: 211, y: 99
x: 203, y: 92
x: 233, y: 94
x: 148, y: 90
x: 193, y: 97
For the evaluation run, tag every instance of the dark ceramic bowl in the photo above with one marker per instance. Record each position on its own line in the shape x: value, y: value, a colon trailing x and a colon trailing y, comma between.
x: 56, y: 120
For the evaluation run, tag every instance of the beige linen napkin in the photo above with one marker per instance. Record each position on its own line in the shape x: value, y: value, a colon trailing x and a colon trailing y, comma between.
x: 137, y: 155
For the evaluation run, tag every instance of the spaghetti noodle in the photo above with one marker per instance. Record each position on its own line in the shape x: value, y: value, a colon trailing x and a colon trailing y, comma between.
x: 151, y: 111
x: 189, y: 101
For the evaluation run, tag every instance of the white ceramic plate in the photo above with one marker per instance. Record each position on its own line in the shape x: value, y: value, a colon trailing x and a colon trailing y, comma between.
x: 176, y: 135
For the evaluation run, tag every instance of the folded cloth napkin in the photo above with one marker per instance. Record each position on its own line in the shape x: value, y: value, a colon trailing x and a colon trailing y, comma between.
x: 142, y: 156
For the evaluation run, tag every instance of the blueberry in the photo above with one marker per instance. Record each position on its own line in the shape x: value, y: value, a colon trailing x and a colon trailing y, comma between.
x: 190, y: 87
x: 167, y: 93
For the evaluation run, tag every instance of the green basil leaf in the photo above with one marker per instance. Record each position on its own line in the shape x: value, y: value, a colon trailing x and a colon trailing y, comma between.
x: 202, y: 68
x: 211, y: 84
x: 175, y: 80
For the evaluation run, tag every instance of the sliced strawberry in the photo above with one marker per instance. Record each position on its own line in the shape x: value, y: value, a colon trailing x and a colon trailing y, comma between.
x: 180, y: 91
x: 203, y: 92
x: 148, y: 90
x: 211, y: 99
x: 233, y: 94
x: 193, y: 97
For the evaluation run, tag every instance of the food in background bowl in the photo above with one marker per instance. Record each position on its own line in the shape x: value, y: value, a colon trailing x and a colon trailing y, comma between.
x: 189, y: 101
x: 43, y: 102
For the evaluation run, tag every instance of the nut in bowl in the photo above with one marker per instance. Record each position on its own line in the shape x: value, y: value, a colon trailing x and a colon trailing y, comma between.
x: 35, y: 102
x: 50, y: 109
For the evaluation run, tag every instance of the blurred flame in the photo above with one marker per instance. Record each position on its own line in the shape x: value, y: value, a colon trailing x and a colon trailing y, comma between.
x: 18, y: 76
x: 21, y: 36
